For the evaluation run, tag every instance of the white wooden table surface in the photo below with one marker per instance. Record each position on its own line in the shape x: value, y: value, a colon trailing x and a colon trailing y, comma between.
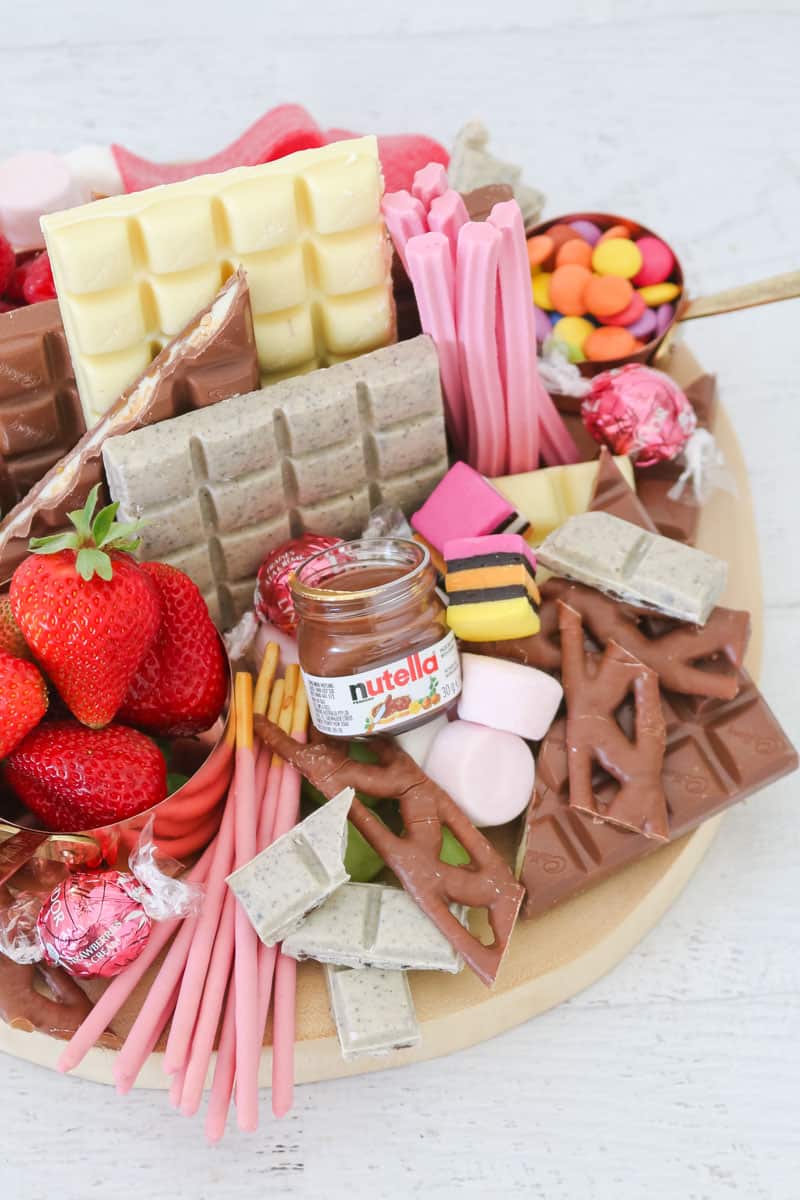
x: 677, y: 1077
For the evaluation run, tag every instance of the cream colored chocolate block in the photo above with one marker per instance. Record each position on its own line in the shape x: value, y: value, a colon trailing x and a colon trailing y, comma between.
x: 550, y: 496
x: 221, y: 487
x: 132, y: 270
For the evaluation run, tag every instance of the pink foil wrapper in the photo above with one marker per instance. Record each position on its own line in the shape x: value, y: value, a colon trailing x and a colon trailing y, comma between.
x: 639, y: 411
x: 274, y: 602
x: 92, y: 925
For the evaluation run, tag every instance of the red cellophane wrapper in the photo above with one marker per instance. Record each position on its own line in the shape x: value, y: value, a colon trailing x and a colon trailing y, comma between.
x: 93, y: 924
x: 639, y: 411
x: 273, y: 601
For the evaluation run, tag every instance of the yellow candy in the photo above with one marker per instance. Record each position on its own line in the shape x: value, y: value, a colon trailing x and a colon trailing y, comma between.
x: 659, y: 293
x: 541, y: 290
x: 574, y: 331
x: 617, y: 256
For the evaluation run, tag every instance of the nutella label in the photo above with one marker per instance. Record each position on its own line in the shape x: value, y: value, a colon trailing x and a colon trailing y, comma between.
x: 379, y: 700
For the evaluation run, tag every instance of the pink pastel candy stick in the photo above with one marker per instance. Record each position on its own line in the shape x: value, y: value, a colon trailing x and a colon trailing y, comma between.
x: 405, y: 218
x: 133, y: 1054
x: 517, y: 349
x: 191, y: 986
x: 285, y: 984
x: 248, y: 1039
x: 429, y: 182
x: 118, y: 991
x: 126, y: 1082
x: 219, y: 974
x: 447, y: 214
x: 558, y: 446
x: 430, y: 268
x: 176, y: 1088
x: 222, y: 1086
x: 476, y: 301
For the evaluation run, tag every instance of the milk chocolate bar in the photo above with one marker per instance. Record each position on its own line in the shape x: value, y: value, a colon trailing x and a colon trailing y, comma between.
x: 131, y: 270
x: 40, y: 413
x: 213, y: 358
x: 313, y: 454
x: 373, y: 1011
x: 296, y: 873
x: 635, y: 566
x: 374, y: 925
x: 485, y: 882
x: 718, y: 752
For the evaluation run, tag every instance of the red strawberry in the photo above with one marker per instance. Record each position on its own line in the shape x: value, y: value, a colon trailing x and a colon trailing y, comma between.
x: 88, y: 611
x: 181, y: 686
x: 11, y: 639
x: 74, y: 778
x: 23, y: 701
x: 8, y: 263
x: 38, y: 283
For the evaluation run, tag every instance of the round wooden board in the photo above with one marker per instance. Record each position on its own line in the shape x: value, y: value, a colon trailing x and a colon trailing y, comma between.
x: 550, y: 958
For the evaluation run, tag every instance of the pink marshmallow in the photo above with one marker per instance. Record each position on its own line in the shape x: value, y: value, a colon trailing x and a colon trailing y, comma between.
x: 476, y: 304
x: 430, y: 269
x: 489, y: 773
x: 31, y: 185
x: 429, y: 182
x: 508, y: 696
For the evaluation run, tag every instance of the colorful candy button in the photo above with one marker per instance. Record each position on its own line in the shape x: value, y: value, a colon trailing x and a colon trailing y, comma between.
x: 615, y: 231
x: 541, y: 290
x: 606, y: 295
x: 663, y: 314
x: 568, y: 288
x: 647, y: 325
x: 540, y: 248
x: 590, y: 232
x: 573, y: 332
x: 576, y: 252
x: 543, y: 324
x: 609, y: 342
x: 659, y: 293
x: 630, y: 313
x: 617, y: 256
x: 560, y: 234
x: 657, y: 261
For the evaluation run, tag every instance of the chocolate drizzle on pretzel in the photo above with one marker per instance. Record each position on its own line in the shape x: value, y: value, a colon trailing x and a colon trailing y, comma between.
x: 485, y: 882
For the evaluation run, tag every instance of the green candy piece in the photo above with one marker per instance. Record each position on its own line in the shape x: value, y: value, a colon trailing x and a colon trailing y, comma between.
x: 359, y: 752
x: 452, y: 852
x: 361, y: 862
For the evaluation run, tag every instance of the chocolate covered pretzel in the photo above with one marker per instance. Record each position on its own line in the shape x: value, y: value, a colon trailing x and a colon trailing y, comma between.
x: 485, y: 882
x: 595, y: 686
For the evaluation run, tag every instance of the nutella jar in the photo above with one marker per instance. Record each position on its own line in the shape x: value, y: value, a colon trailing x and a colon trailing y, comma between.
x: 375, y: 651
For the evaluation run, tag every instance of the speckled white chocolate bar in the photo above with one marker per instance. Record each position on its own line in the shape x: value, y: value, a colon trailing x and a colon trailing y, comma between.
x: 636, y: 566
x: 221, y: 488
x: 298, y: 872
x: 374, y: 925
x: 132, y: 270
x: 373, y: 1010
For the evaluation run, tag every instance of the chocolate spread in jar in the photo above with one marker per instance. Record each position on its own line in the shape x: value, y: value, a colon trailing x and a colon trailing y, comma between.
x: 375, y: 651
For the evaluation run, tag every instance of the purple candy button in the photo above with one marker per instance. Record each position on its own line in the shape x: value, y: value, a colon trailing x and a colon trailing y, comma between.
x: 664, y: 314
x: 645, y: 327
x: 543, y: 329
x: 588, y: 231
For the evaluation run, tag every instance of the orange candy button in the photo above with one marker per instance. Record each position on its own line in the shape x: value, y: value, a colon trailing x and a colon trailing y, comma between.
x: 607, y: 295
x: 567, y: 289
x: 576, y: 251
x: 561, y: 234
x: 539, y: 249
x: 616, y: 231
x: 609, y: 341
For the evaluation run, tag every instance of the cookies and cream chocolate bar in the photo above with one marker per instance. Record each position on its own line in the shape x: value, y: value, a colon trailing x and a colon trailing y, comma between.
x: 373, y: 1011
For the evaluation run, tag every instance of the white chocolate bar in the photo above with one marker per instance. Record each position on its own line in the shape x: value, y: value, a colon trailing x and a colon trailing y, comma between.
x: 373, y: 1010
x: 374, y: 925
x: 221, y: 487
x: 549, y: 496
x: 132, y: 270
x: 636, y: 566
x: 298, y: 872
